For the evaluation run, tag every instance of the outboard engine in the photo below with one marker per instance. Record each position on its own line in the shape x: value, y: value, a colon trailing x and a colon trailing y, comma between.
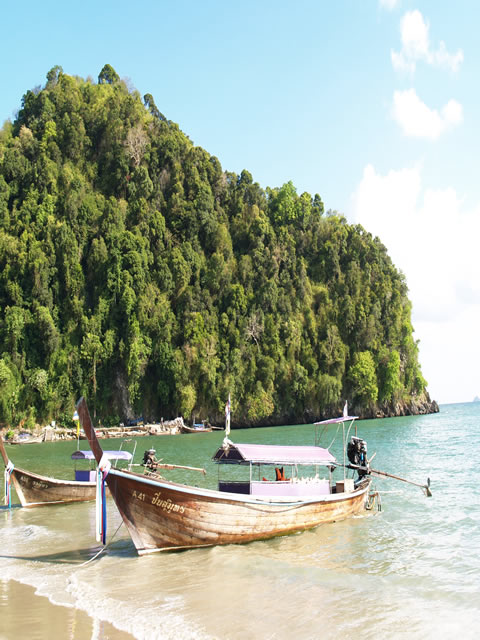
x: 357, y: 454
x: 149, y: 459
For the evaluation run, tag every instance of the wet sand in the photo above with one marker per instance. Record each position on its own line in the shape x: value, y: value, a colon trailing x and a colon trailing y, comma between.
x: 24, y: 614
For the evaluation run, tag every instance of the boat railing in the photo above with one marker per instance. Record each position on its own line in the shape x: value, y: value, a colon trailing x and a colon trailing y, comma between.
x: 290, y: 488
x: 130, y: 464
x: 87, y: 457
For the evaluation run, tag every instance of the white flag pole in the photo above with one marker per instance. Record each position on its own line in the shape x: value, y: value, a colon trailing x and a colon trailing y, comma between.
x: 227, y: 417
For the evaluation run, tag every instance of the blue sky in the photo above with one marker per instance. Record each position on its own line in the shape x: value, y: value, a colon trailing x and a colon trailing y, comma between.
x: 373, y: 104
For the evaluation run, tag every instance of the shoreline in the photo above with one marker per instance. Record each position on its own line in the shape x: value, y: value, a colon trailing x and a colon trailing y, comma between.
x: 24, y: 613
x: 60, y: 434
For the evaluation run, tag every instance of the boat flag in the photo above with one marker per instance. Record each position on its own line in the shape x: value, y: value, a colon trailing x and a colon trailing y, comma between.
x: 227, y: 417
x: 345, y: 410
x: 77, y: 420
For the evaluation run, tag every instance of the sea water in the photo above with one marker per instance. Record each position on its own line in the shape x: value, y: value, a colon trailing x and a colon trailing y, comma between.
x: 411, y: 570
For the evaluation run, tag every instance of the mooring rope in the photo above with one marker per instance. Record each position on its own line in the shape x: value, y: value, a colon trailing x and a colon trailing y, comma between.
x: 102, y: 549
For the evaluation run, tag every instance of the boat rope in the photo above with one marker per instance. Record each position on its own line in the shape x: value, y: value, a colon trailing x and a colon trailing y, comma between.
x: 8, y: 489
x: 102, y: 549
x: 334, y: 438
x: 103, y: 469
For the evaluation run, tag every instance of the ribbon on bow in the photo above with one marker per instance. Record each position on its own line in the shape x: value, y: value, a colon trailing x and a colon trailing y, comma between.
x: 8, y: 490
x: 103, y: 469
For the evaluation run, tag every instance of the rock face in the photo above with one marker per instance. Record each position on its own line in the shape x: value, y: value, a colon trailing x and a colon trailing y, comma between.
x: 418, y: 405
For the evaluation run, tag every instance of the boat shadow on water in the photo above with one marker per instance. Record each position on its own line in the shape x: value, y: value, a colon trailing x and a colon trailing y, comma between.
x: 79, y: 557
x: 8, y: 509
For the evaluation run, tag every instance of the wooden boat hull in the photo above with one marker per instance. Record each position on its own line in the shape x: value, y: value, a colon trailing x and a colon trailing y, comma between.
x: 34, y: 490
x: 162, y: 515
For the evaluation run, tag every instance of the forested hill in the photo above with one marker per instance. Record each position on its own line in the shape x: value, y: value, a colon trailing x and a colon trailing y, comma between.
x: 138, y: 272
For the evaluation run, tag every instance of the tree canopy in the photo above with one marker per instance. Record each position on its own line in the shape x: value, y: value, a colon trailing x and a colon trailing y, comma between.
x: 136, y: 271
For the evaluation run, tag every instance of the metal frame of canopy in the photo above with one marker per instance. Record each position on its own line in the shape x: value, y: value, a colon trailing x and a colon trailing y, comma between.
x: 257, y: 455
x: 86, y: 475
x: 341, y: 420
x: 273, y: 455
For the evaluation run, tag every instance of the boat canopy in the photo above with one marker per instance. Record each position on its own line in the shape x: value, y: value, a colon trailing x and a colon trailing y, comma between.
x: 111, y: 455
x: 272, y: 454
x: 337, y: 420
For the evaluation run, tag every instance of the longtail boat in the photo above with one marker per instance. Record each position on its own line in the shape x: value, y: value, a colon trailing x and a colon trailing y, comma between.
x: 27, y: 438
x: 35, y: 490
x: 196, y: 428
x: 161, y: 515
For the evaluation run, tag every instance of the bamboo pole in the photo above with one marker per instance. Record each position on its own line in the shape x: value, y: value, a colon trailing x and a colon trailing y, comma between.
x: 162, y: 465
x: 391, y: 475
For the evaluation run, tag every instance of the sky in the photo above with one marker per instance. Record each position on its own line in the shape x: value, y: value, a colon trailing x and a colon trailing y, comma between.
x: 372, y: 104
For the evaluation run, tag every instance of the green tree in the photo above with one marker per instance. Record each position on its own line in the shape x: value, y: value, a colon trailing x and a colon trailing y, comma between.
x: 260, y: 404
x: 108, y: 75
x: 53, y: 75
x: 392, y: 385
x: 92, y: 352
x: 15, y: 321
x: 9, y: 391
x: 329, y: 391
x: 363, y: 378
x: 284, y: 204
x: 188, y: 398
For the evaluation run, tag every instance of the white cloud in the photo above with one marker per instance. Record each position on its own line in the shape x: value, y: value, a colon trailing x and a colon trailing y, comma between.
x: 427, y: 234
x: 416, y: 46
x: 448, y: 355
x: 419, y: 121
x: 434, y: 242
x: 389, y: 4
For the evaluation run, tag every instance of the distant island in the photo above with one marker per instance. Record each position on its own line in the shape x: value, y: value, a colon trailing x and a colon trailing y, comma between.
x: 476, y: 399
x: 139, y: 273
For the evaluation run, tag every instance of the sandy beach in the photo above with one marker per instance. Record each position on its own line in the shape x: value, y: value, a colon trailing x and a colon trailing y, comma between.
x: 24, y: 614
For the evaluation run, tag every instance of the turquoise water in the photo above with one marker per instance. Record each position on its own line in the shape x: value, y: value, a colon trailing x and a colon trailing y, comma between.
x: 410, y: 571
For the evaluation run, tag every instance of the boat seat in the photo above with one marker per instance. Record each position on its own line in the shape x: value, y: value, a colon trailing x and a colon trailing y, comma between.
x: 280, y: 475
